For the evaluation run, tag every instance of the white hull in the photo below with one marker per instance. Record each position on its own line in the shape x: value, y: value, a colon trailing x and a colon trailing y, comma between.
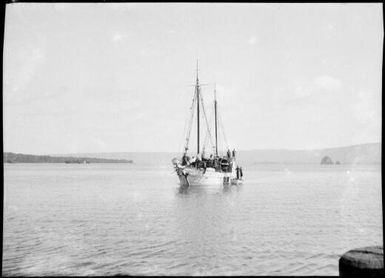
x: 197, y: 177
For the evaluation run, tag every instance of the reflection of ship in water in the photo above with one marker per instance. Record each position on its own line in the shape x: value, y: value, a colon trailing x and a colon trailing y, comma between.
x: 206, y: 168
x: 204, y: 189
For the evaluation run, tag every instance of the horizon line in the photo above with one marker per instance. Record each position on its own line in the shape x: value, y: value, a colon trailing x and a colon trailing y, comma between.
x: 268, y: 149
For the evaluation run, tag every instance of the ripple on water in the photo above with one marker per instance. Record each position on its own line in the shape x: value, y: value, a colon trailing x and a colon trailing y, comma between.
x: 280, y: 222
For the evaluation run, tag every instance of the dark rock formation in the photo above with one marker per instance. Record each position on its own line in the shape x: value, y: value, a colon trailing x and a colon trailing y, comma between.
x: 326, y: 160
x: 365, y: 262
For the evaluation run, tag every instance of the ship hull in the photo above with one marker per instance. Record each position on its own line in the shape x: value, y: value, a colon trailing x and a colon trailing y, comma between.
x: 199, y: 177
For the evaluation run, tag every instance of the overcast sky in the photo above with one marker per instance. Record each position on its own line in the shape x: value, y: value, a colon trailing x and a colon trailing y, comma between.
x: 117, y: 77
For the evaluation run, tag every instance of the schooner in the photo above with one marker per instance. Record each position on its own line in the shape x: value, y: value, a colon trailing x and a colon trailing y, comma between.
x: 205, y: 168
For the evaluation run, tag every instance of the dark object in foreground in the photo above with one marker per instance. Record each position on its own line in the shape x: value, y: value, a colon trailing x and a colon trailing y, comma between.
x: 366, y: 262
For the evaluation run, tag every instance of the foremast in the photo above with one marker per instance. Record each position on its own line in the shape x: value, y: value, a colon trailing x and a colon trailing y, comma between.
x: 198, y: 101
x: 216, y: 121
x: 197, y: 91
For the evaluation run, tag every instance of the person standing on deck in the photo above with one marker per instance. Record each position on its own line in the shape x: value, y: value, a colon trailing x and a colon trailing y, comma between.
x: 193, y: 161
x: 199, y: 160
x: 233, y: 153
x: 228, y: 153
x: 204, y: 166
x: 184, y: 160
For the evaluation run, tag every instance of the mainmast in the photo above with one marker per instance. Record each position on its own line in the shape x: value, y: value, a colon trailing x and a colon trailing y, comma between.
x: 216, y: 121
x: 197, y: 94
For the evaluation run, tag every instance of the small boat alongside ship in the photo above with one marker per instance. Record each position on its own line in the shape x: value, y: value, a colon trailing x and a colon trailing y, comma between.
x: 206, y: 168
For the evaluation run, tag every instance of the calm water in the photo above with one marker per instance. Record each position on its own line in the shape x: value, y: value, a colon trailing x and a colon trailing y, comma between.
x: 107, y: 219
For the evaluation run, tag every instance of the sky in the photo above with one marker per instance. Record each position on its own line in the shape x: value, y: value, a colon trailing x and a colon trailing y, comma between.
x: 118, y: 77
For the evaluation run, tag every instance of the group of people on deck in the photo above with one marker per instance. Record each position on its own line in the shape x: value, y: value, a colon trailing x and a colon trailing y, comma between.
x: 223, y: 163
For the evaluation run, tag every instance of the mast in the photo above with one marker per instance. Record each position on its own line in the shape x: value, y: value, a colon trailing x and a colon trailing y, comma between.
x: 216, y: 127
x: 197, y: 93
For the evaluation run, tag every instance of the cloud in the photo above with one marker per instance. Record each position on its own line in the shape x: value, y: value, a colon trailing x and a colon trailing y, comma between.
x: 62, y: 6
x: 320, y: 89
x: 117, y: 37
x: 252, y: 40
x: 328, y: 83
x: 124, y: 7
x: 225, y: 95
x: 300, y: 92
x: 148, y: 51
x: 39, y: 96
x: 99, y: 143
x: 21, y: 68
x: 366, y: 106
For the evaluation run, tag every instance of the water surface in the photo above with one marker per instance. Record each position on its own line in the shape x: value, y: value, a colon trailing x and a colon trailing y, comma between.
x: 108, y: 219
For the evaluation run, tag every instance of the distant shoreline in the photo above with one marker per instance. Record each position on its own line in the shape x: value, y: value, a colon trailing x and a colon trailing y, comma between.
x: 11, y: 158
x: 313, y: 163
x: 356, y: 154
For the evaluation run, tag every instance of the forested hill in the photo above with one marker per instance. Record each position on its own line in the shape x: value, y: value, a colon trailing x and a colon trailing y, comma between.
x: 357, y: 154
x: 28, y: 158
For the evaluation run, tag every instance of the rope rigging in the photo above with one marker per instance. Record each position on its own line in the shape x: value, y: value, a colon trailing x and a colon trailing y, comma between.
x: 208, y: 132
x: 208, y: 135
x: 183, y: 135
x: 223, y: 130
x: 190, y: 124
x: 207, y: 124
